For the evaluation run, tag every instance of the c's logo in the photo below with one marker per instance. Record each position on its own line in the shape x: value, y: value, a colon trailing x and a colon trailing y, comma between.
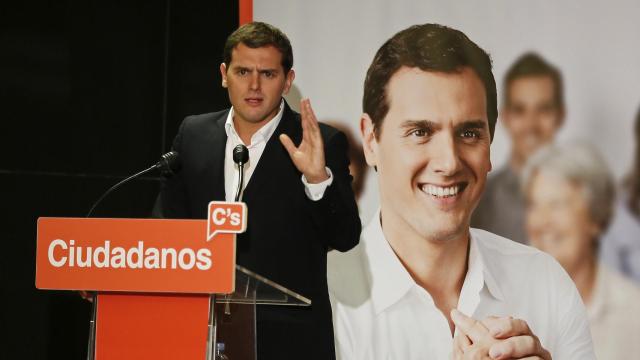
x: 226, y: 217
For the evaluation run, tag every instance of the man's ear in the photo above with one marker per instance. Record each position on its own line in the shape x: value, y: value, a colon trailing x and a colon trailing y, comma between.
x: 369, y: 141
x: 288, y: 81
x: 223, y: 72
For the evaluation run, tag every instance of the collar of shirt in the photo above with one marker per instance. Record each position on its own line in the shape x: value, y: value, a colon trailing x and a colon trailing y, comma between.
x: 391, y: 281
x: 260, y: 136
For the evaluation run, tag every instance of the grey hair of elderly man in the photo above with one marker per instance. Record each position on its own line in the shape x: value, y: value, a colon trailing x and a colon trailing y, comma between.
x: 583, y: 165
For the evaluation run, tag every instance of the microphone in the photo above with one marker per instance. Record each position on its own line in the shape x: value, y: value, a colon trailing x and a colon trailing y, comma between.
x: 168, y: 165
x: 240, y: 157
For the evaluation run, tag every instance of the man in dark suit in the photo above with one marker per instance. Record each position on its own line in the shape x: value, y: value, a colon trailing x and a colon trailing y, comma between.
x: 298, y: 193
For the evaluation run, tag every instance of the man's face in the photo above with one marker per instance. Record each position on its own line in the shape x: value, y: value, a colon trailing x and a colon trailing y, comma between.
x: 432, y: 153
x: 559, y: 221
x: 531, y: 115
x: 256, y: 82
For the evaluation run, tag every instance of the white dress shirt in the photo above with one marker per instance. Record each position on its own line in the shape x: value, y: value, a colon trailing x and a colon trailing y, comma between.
x: 614, y: 314
x: 381, y: 313
x: 259, y: 141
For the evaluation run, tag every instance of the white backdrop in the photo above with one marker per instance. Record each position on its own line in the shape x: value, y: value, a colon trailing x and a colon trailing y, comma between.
x: 594, y: 43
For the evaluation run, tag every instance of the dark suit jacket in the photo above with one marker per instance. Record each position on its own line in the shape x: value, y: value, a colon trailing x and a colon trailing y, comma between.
x: 288, y: 235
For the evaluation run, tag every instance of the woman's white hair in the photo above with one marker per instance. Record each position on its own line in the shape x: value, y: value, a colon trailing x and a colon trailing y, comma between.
x: 581, y: 164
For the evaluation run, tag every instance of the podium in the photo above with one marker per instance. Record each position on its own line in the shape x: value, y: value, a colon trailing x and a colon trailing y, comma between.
x: 195, y: 323
x: 165, y: 289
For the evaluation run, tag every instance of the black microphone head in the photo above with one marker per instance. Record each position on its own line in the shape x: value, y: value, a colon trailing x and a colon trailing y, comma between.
x: 240, y: 154
x: 169, y: 164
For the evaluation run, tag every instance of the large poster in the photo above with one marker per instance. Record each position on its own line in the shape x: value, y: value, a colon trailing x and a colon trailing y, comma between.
x: 594, y: 43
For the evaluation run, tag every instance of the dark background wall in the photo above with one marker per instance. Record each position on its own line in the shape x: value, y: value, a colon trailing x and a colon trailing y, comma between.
x: 90, y: 92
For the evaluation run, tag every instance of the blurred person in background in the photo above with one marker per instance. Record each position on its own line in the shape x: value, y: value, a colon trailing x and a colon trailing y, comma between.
x: 621, y: 244
x: 533, y: 110
x: 570, y: 196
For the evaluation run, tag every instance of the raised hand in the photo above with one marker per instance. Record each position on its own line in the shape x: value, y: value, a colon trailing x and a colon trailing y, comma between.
x: 308, y: 157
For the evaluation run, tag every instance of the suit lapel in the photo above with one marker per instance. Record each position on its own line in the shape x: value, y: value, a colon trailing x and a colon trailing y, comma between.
x: 275, y: 159
x: 213, y: 171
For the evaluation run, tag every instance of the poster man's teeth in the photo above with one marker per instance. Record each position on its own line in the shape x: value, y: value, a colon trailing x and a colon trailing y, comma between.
x: 440, y: 191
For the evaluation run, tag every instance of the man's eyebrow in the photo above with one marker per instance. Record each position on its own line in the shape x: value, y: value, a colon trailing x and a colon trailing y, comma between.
x: 422, y: 124
x: 472, y: 124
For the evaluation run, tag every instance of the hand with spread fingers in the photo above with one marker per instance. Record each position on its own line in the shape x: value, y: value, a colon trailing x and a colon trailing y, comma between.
x: 496, y: 338
x: 308, y: 157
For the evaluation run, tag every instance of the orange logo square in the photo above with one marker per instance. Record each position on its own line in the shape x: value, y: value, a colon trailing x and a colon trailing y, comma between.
x: 226, y: 217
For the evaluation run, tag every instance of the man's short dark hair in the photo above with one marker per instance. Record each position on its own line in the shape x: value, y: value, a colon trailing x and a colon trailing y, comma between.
x: 256, y: 35
x: 531, y: 64
x: 429, y: 47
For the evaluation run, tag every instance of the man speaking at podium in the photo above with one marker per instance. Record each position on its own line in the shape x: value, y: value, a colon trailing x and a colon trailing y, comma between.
x: 298, y: 191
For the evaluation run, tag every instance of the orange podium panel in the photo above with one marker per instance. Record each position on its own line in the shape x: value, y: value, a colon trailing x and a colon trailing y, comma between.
x: 131, y: 326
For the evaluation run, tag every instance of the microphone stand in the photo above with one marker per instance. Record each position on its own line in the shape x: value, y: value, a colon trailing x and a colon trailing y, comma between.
x: 111, y: 189
x: 240, y: 157
x: 240, y: 181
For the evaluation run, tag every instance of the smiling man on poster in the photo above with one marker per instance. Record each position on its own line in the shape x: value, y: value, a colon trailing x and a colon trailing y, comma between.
x: 429, y: 117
